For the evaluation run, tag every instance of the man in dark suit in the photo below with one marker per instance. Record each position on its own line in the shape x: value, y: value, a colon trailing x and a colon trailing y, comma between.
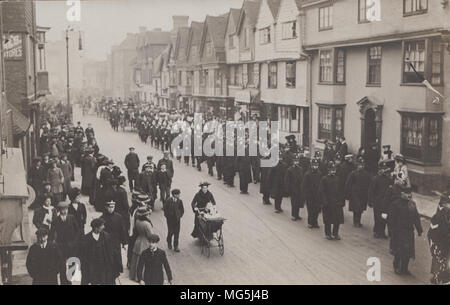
x: 66, y: 233
x: 173, y: 211
x: 132, y: 165
x: 36, y: 177
x: 169, y: 164
x: 343, y: 147
x: 44, y: 260
x: 151, y: 264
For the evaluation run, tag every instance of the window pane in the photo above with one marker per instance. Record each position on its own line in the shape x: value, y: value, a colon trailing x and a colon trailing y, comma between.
x: 290, y: 74
x: 325, y: 17
x: 415, y: 55
x: 325, y: 123
x: 340, y: 68
x: 374, y: 65
x: 326, y: 66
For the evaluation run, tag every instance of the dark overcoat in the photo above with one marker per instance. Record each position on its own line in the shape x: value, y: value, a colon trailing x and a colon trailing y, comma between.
x: 331, y: 200
x: 293, y: 181
x: 276, y: 180
x: 151, y: 264
x: 115, y: 226
x: 357, y: 190
x: 310, y: 187
x: 244, y: 168
x: 402, y: 218
x: 43, y: 265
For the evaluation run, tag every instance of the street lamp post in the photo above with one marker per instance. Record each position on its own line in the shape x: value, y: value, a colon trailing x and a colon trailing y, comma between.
x: 69, y: 29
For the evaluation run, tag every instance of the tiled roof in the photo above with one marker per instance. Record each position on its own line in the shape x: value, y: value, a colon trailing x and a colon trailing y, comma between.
x: 234, y: 15
x: 251, y: 9
x: 195, y: 34
x: 274, y: 6
x: 217, y: 27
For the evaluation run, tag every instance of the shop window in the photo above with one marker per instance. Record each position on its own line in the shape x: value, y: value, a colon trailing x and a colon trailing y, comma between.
x: 421, y: 136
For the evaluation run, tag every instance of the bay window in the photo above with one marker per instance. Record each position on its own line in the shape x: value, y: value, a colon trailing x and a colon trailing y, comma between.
x: 332, y: 66
x: 421, y: 136
x: 414, y: 7
x: 290, y: 74
x: 272, y: 80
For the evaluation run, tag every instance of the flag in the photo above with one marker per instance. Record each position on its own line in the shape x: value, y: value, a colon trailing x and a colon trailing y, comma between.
x: 437, y: 99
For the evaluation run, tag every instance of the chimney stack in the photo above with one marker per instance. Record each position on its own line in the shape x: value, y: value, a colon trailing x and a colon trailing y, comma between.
x: 179, y: 22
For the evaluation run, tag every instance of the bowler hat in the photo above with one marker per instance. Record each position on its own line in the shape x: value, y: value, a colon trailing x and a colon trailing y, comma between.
x: 176, y: 192
x: 153, y: 238
x: 42, y: 232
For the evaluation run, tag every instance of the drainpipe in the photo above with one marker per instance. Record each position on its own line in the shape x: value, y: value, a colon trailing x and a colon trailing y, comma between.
x: 308, y: 57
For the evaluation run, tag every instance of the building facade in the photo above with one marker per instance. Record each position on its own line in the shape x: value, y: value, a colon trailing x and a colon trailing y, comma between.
x: 25, y: 77
x: 364, y: 88
x: 283, y: 68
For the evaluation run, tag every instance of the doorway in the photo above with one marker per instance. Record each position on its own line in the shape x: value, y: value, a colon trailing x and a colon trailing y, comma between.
x: 370, y: 128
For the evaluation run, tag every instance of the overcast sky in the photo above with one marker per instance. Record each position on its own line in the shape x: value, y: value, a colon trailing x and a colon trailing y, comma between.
x: 106, y: 22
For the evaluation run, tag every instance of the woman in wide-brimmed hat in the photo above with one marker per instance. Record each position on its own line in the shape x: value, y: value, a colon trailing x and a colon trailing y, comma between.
x: 439, y: 241
x: 201, y: 199
x: 142, y: 233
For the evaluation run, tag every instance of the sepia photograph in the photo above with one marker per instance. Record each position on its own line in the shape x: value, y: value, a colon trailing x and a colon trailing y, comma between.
x: 228, y: 145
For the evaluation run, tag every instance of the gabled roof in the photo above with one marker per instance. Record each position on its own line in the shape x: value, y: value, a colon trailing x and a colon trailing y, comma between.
x: 274, y: 6
x: 215, y: 27
x: 250, y: 9
x: 182, y: 40
x: 195, y: 35
x: 300, y: 3
x: 233, y: 16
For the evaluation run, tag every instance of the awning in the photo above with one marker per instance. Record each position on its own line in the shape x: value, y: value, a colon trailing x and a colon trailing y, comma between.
x: 19, y: 122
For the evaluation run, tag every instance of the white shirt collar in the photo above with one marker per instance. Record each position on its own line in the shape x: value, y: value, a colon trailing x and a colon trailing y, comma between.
x: 96, y: 236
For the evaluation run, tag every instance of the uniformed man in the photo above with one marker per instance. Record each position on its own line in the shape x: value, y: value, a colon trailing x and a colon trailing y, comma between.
x: 310, y: 187
x: 293, y: 181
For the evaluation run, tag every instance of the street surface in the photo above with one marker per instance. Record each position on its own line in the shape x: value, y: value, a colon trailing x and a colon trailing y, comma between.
x: 261, y: 247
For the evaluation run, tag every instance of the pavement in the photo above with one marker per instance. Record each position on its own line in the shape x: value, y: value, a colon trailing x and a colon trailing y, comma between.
x: 261, y: 247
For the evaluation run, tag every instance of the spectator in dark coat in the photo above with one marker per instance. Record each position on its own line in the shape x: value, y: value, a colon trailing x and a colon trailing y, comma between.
x: 343, y: 148
x: 276, y: 181
x: 245, y: 174
x: 122, y: 204
x: 293, y: 181
x: 66, y: 233
x: 377, y: 190
x: 173, y: 211
x: 97, y: 256
x: 402, y: 218
x: 357, y: 190
x: 88, y: 170
x: 310, y: 187
x: 372, y: 158
x: 169, y: 164
x: 151, y: 264
x: 147, y: 183
x: 115, y: 227
x: 132, y: 165
x: 36, y: 177
x: 77, y: 208
x: 164, y: 181
x: 44, y: 260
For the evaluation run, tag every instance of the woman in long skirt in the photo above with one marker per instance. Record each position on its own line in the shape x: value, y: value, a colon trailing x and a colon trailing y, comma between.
x: 439, y: 241
x: 143, y: 230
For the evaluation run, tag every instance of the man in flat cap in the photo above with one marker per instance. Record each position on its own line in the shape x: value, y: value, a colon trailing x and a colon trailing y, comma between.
x: 132, y: 165
x: 66, y: 233
x: 149, y: 162
x: 116, y: 227
x: 44, y: 260
x: 169, y: 164
x: 151, y: 263
x: 173, y: 211
x: 97, y: 256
